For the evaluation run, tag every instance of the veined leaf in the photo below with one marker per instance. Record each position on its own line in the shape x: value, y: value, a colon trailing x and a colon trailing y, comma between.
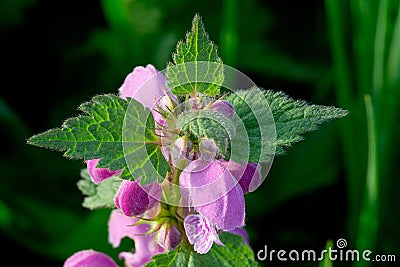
x: 196, y: 67
x: 234, y: 253
x: 256, y: 135
x: 293, y: 118
x: 99, y: 134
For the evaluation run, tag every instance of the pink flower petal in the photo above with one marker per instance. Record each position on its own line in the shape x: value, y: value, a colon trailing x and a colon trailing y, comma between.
x: 145, y: 84
x: 120, y: 226
x: 208, y: 149
x: 131, y: 199
x: 89, y: 258
x: 248, y: 174
x: 200, y: 233
x: 169, y: 237
x: 214, y: 193
x: 224, y: 107
x: 179, y: 152
x: 99, y: 174
x: 148, y: 86
x: 134, y: 199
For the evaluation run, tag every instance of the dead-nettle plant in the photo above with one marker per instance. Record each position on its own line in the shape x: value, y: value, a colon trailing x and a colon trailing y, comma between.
x: 173, y: 153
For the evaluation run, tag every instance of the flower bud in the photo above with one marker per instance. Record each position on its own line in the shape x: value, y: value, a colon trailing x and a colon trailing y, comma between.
x: 195, y: 103
x: 131, y: 198
x: 224, y: 107
x: 167, y: 102
x: 89, y: 257
x: 208, y: 149
x: 169, y: 237
x: 181, y: 152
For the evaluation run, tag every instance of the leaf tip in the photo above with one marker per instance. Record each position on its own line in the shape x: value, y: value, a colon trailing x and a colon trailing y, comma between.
x: 33, y: 140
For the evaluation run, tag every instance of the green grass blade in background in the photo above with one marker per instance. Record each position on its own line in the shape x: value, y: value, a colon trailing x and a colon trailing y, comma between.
x: 229, y: 32
x: 363, y: 22
x: 327, y: 262
x: 394, y: 53
x: 335, y: 10
x: 369, y: 215
x: 390, y: 102
x: 379, y: 49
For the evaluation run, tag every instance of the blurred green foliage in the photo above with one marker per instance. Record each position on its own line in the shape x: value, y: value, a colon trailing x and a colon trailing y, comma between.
x: 340, y: 182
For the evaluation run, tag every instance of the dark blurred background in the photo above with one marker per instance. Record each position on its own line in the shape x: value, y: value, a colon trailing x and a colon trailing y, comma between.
x: 340, y: 182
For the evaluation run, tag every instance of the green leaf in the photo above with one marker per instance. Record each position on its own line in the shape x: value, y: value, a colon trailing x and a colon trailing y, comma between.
x: 255, y: 137
x: 293, y: 118
x: 196, y: 67
x: 234, y: 253
x: 208, y: 123
x: 98, y: 196
x: 99, y: 134
x: 140, y: 145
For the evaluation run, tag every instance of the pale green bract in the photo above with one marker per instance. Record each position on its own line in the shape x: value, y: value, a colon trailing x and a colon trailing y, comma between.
x: 98, y: 196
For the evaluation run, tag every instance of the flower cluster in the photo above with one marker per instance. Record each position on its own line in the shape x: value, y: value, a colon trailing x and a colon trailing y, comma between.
x: 211, y: 189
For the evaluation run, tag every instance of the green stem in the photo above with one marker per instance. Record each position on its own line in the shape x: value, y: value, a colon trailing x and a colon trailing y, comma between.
x: 170, y: 189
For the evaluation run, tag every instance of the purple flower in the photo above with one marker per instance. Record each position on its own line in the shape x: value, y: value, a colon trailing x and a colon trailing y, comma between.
x: 133, y: 199
x: 208, y: 149
x: 120, y: 226
x: 89, y: 258
x: 169, y: 237
x: 248, y: 174
x: 200, y: 233
x: 224, y: 107
x: 212, y: 190
x: 148, y: 86
x: 99, y: 174
x: 178, y: 153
